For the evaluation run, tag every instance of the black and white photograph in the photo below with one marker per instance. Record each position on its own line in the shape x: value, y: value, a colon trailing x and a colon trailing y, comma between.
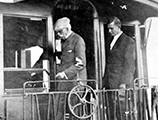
x: 78, y: 59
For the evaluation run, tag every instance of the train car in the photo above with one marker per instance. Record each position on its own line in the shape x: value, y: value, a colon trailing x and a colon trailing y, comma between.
x: 23, y: 26
x: 28, y: 84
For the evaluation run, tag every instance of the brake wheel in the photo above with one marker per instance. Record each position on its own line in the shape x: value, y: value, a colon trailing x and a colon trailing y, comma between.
x: 82, y: 101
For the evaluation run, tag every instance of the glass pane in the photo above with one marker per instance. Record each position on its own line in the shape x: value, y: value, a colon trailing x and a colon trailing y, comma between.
x: 24, y: 42
x: 24, y: 39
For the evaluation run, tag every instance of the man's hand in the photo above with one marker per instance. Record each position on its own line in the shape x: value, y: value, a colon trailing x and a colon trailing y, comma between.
x: 122, y: 86
x: 61, y: 75
x: 122, y: 92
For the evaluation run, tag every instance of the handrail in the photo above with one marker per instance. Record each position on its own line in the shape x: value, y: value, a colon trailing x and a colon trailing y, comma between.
x: 26, y: 69
x: 51, y: 81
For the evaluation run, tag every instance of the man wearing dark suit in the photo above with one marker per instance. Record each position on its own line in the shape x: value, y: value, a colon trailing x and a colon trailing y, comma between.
x: 73, y: 61
x: 120, y: 66
x: 121, y: 58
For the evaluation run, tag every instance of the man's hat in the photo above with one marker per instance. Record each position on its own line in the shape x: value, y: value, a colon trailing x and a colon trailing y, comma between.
x: 62, y: 23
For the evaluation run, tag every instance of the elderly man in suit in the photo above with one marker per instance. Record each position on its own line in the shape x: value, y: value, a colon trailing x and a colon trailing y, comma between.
x: 73, y: 61
x: 120, y: 62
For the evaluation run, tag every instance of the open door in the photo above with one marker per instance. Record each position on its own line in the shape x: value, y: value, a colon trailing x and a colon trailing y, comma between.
x: 131, y: 29
x: 84, y: 21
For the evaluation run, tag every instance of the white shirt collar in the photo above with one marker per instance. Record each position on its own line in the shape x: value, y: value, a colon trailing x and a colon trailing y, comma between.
x: 115, y: 39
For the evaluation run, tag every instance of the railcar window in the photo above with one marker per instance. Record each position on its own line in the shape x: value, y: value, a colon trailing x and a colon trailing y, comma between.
x: 23, y: 37
x: 24, y: 41
x: 129, y: 30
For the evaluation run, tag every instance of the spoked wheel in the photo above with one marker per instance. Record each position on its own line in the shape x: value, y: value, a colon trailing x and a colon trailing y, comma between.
x: 82, y: 101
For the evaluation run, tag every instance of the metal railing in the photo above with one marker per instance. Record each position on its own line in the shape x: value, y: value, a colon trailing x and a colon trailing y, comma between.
x: 140, y: 103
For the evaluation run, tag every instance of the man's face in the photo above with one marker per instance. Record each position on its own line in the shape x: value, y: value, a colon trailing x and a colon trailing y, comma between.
x: 113, y: 29
x: 61, y: 33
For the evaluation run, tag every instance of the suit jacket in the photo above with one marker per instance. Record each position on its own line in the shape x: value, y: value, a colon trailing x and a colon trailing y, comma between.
x: 73, y: 49
x: 120, y: 63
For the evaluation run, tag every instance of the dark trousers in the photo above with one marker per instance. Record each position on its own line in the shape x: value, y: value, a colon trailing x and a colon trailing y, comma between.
x: 116, y: 104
